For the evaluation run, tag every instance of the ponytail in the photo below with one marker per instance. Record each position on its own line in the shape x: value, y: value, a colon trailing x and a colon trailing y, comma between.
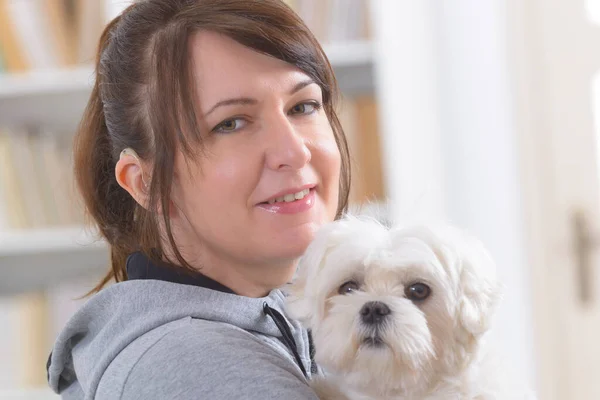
x: 106, y: 202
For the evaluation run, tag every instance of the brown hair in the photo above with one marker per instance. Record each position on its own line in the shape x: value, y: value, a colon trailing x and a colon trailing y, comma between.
x: 142, y: 98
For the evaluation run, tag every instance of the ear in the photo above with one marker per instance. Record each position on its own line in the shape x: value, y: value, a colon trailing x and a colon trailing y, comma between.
x: 305, y: 301
x: 129, y: 172
x: 479, y: 288
x: 470, y: 266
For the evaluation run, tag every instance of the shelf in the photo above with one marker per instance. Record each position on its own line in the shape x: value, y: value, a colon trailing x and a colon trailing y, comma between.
x: 35, y: 259
x: 52, y: 99
x: 57, y: 99
x: 353, y: 65
x: 51, y: 82
x: 28, y: 394
x: 348, y: 54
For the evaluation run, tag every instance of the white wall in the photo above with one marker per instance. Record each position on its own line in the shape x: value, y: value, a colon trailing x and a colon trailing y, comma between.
x: 481, y: 156
x: 114, y: 7
x: 407, y: 91
x: 447, y: 115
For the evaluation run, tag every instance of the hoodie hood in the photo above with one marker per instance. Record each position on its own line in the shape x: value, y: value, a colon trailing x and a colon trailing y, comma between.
x: 121, y: 313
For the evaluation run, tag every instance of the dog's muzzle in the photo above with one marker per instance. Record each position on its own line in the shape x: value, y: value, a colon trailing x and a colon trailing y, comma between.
x: 374, y: 313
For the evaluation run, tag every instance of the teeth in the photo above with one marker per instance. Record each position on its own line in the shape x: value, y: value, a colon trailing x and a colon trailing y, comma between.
x: 301, y: 194
x: 290, y: 197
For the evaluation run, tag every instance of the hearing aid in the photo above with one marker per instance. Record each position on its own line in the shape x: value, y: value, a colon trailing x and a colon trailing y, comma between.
x: 130, y: 152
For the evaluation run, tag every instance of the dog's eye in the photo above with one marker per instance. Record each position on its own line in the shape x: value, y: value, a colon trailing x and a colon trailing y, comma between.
x: 348, y: 287
x: 417, y: 291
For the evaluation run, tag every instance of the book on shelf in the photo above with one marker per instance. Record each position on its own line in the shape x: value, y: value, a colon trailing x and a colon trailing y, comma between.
x: 358, y: 116
x: 46, y: 34
x: 36, y: 181
x: 12, y: 210
x: 27, y: 182
x: 334, y: 20
x: 32, y: 30
x: 42, y: 34
x: 61, y: 25
x: 90, y: 19
x: 12, y: 51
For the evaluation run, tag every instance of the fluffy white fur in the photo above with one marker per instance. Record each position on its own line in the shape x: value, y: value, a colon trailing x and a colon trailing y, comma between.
x: 431, y: 350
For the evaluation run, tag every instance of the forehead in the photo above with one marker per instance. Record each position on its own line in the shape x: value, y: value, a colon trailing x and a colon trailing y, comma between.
x: 402, y: 257
x: 224, y: 67
x: 405, y: 257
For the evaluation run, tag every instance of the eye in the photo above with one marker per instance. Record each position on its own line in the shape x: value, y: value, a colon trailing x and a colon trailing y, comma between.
x: 417, y: 291
x: 348, y: 287
x: 230, y: 125
x: 305, y: 108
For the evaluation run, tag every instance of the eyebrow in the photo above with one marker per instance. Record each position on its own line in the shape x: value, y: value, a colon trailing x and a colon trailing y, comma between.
x: 230, y: 102
x: 250, y: 101
x: 301, y: 85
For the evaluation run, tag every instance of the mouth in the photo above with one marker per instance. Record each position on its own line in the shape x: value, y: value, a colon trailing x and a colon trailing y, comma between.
x: 290, y: 195
x: 293, y: 201
x: 373, y: 342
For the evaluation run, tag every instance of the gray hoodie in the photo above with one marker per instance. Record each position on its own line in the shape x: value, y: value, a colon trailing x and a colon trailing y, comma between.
x: 158, y: 338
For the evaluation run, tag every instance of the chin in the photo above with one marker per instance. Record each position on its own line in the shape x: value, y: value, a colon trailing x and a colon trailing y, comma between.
x: 400, y: 313
x: 292, y: 242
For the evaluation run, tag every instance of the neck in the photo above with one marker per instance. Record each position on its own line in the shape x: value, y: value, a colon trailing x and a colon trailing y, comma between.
x: 247, y: 280
x: 244, y: 279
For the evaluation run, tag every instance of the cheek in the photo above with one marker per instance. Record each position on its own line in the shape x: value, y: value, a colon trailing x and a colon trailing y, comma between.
x: 216, y: 180
x: 225, y: 175
x: 328, y: 157
x: 326, y: 160
x: 337, y: 333
x: 442, y: 322
x: 324, y: 147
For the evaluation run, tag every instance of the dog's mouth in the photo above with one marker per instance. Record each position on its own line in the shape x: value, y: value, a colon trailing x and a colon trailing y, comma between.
x: 373, y: 341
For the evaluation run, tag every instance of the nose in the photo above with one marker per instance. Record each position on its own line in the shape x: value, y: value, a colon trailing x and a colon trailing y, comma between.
x: 374, y: 312
x: 286, y: 147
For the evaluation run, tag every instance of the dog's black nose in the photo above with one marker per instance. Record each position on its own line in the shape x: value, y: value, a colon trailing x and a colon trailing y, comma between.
x: 374, y: 312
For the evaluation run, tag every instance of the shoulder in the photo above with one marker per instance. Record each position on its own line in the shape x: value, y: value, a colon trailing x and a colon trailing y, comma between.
x: 205, y: 359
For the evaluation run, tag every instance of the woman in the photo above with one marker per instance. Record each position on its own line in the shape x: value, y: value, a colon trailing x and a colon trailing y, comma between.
x: 208, y: 155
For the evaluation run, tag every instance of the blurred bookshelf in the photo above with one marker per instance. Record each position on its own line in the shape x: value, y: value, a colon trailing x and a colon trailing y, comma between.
x: 35, y: 259
x: 49, y: 98
x: 46, y: 76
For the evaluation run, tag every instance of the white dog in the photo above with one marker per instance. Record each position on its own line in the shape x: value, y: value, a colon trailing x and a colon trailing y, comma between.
x: 399, y: 313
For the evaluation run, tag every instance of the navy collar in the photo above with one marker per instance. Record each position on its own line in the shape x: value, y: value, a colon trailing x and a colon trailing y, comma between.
x: 141, y: 267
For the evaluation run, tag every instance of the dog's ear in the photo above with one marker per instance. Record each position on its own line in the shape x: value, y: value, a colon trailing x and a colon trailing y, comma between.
x: 305, y: 301
x: 472, y: 269
x: 479, y: 288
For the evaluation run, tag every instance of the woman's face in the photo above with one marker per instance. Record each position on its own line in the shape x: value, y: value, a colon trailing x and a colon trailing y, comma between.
x: 269, y: 176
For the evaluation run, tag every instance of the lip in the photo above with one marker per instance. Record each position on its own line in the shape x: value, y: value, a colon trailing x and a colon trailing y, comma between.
x: 288, y: 191
x: 293, y: 207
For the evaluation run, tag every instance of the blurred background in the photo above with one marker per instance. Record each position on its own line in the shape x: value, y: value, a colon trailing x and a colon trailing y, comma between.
x: 480, y: 112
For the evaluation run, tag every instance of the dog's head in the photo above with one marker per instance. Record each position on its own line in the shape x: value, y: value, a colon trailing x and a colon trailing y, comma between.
x: 393, y: 307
